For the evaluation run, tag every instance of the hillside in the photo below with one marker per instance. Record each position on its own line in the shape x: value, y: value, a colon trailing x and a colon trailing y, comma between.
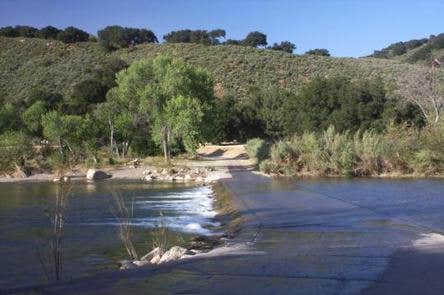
x: 28, y: 64
x: 417, y: 51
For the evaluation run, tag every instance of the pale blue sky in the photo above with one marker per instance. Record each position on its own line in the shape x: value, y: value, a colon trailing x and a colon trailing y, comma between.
x: 345, y: 27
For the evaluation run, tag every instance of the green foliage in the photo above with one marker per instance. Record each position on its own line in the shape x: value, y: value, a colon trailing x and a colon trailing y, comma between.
x: 285, y: 46
x: 72, y: 35
x: 318, y: 52
x: 337, y: 101
x: 33, y: 115
x: 414, y: 51
x: 49, y: 32
x: 197, y: 36
x: 255, y: 39
x: 116, y: 37
x: 399, y: 149
x: 15, y: 149
x: 8, y: 117
x: 164, y: 90
x: 184, y: 117
x: 257, y: 149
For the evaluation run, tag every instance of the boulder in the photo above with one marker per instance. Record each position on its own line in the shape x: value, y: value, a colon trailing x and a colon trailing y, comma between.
x: 175, y: 253
x: 94, y: 174
x: 155, y: 252
x: 126, y: 264
x: 140, y: 262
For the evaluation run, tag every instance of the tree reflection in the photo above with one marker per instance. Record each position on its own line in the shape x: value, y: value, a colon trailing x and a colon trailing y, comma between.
x: 50, y: 252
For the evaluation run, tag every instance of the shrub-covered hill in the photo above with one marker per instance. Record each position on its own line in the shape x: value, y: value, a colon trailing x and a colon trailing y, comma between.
x: 419, y: 51
x: 30, y: 64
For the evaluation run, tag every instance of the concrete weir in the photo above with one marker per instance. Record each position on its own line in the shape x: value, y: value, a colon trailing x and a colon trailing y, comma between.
x: 323, y: 236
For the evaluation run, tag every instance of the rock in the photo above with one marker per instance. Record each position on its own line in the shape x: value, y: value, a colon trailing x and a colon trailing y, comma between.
x: 200, y: 243
x: 164, y: 172
x: 175, y: 253
x: 66, y: 178
x: 94, y: 174
x: 140, y: 262
x: 156, y: 259
x: 187, y: 177
x: 57, y: 179
x: 155, y: 252
x: 126, y: 264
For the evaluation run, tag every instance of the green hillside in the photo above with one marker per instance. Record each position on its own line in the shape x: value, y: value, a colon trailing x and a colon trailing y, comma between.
x: 417, y: 51
x: 29, y: 64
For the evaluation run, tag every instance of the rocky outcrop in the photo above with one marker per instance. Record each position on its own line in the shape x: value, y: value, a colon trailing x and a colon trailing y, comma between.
x: 94, y: 174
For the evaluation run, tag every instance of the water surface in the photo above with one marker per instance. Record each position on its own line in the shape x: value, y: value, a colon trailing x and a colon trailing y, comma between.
x: 90, y: 241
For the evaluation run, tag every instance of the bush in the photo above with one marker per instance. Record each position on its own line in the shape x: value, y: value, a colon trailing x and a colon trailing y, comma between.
x: 15, y: 149
x: 269, y: 167
x: 257, y: 148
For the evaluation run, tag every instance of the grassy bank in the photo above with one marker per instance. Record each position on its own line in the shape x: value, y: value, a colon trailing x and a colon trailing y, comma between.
x: 398, y: 151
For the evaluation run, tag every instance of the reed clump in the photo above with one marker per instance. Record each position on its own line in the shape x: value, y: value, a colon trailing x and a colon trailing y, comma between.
x: 399, y: 150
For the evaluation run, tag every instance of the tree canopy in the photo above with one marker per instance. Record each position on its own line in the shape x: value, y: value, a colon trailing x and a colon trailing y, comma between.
x: 318, y: 51
x: 115, y: 37
x: 171, y: 96
x: 285, y: 46
x: 195, y: 36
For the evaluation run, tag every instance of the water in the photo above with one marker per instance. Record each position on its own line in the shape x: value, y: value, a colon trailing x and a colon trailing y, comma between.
x: 90, y: 242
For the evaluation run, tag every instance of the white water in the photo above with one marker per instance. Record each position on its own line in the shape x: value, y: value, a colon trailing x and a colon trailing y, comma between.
x: 189, y: 210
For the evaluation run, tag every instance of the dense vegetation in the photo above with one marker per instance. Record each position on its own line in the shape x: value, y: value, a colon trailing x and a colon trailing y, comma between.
x: 398, y: 150
x: 73, y: 109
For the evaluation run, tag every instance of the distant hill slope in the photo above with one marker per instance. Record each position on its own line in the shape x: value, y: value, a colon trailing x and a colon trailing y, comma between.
x: 27, y: 64
x: 420, y: 51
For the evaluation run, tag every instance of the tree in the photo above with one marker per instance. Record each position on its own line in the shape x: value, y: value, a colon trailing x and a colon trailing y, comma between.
x: 8, y: 117
x: 153, y: 87
x: 15, y: 149
x: 49, y: 32
x: 195, y: 36
x: 319, y: 52
x: 232, y: 42
x: 284, y: 46
x: 424, y: 90
x: 26, y: 31
x: 255, y: 39
x: 337, y: 101
x: 33, y: 115
x: 183, y: 115
x: 86, y: 93
x: 115, y: 37
x: 72, y: 35
x: 8, y: 31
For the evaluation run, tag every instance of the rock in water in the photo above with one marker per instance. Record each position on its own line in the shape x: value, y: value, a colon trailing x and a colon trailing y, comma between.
x: 175, y: 253
x: 94, y: 174
x: 126, y: 264
x: 155, y: 252
x: 140, y: 262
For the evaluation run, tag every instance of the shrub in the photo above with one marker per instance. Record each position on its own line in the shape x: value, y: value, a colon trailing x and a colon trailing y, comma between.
x: 257, y: 148
x: 15, y: 149
x: 269, y: 167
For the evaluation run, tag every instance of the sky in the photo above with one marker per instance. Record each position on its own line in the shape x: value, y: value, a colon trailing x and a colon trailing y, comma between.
x: 344, y: 27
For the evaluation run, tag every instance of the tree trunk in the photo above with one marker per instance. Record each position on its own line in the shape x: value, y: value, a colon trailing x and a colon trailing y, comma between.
x: 166, y: 148
x: 111, y: 135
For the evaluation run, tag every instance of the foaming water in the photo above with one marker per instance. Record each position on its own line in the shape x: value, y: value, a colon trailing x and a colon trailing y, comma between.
x: 189, y: 210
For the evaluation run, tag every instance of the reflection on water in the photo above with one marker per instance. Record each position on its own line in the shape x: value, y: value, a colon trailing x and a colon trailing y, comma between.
x: 45, y: 236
